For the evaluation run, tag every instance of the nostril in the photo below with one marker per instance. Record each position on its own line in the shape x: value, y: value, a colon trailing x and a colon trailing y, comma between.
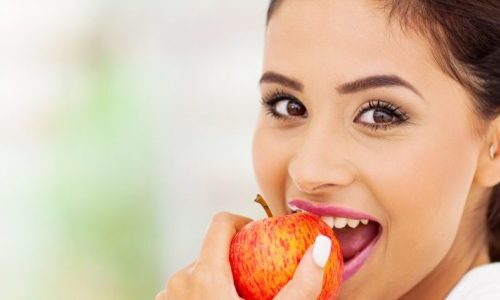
x: 308, y: 186
x: 312, y: 187
x: 309, y: 182
x: 316, y: 176
x: 323, y: 186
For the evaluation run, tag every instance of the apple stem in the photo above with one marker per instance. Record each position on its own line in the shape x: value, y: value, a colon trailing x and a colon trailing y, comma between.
x: 263, y: 202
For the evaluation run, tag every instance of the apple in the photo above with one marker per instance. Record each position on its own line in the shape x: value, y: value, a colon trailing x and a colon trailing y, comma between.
x: 265, y: 253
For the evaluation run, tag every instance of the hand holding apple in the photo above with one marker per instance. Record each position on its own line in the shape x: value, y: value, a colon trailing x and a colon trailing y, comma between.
x: 210, y: 276
x: 264, y: 255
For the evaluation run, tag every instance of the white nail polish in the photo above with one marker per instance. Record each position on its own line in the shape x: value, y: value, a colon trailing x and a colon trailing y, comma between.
x: 321, y: 250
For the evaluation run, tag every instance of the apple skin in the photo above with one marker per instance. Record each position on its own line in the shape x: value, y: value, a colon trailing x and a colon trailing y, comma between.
x: 265, y: 253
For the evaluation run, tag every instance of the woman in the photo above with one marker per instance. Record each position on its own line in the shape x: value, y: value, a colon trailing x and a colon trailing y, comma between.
x: 382, y: 117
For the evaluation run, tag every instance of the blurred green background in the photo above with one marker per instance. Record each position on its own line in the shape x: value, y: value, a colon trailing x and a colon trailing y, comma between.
x: 124, y: 126
x: 101, y: 195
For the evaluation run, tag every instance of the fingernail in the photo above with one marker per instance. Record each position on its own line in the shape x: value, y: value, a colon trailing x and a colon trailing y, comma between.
x: 321, y: 250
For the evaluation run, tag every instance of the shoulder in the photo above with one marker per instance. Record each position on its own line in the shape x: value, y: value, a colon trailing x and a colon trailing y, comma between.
x: 480, y: 283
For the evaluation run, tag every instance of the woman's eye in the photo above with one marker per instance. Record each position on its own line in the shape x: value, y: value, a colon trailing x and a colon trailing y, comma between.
x: 290, y: 108
x: 377, y: 116
x: 381, y: 115
x: 283, y: 106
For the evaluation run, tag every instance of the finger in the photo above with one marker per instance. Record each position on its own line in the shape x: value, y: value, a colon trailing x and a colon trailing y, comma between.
x: 176, y: 283
x: 308, y: 278
x: 189, y: 267
x: 215, y: 247
x: 181, y: 275
x: 161, y: 296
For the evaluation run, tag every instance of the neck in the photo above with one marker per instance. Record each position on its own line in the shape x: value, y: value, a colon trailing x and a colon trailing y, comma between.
x: 438, y: 284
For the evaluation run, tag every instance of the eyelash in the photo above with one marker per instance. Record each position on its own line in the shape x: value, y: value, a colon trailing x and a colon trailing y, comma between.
x: 386, y: 107
x: 269, y: 101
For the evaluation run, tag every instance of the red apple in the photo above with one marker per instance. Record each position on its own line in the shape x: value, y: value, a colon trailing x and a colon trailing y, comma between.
x: 264, y: 255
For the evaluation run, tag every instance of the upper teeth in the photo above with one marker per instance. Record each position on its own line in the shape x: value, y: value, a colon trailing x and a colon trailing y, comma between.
x: 339, y: 222
x: 334, y: 222
x: 353, y: 223
x: 330, y: 221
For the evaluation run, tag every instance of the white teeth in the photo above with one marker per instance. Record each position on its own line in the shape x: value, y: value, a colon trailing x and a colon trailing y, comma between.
x: 340, y: 223
x: 352, y: 223
x: 334, y: 222
x: 330, y: 221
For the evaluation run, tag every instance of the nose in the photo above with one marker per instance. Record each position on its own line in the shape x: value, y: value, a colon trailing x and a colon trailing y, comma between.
x: 320, y: 163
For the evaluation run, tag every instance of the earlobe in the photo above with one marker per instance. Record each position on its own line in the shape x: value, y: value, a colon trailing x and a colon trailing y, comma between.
x: 492, y: 151
x: 488, y: 169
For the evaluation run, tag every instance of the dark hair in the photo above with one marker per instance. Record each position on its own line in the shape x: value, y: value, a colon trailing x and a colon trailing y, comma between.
x: 466, y: 39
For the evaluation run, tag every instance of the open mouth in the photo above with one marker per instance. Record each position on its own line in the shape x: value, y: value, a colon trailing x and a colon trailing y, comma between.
x: 357, y: 232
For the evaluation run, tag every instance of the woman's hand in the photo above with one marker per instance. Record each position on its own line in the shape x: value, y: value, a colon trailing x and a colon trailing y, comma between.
x: 210, y: 277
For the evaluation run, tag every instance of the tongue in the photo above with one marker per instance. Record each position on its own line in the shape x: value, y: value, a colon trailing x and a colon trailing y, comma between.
x: 352, y: 241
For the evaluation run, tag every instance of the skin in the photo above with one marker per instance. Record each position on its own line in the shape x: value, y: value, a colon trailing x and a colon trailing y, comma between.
x: 209, y: 276
x: 427, y: 181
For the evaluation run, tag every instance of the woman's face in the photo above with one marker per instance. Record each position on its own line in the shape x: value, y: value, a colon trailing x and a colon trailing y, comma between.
x: 413, y: 173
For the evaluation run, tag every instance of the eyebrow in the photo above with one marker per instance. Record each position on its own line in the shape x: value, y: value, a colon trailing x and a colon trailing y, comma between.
x: 370, y: 82
x: 273, y: 77
x: 375, y: 82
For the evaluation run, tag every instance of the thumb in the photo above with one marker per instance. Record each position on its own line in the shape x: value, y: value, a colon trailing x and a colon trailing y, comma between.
x: 308, y: 278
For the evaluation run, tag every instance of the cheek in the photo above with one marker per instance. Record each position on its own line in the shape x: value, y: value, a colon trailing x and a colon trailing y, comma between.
x: 422, y: 187
x: 270, y: 160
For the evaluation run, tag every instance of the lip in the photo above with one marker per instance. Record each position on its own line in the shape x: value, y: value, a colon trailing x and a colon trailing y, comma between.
x: 355, y: 263
x: 331, y: 210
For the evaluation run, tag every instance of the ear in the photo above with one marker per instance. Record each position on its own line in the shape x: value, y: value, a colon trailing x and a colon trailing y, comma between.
x: 488, y: 169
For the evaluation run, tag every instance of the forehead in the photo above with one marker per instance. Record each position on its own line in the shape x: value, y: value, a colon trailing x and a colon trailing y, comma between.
x: 343, y: 40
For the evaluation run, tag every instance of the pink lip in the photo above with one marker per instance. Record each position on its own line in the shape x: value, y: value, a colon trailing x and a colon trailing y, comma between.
x: 354, y: 264
x: 330, y: 210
